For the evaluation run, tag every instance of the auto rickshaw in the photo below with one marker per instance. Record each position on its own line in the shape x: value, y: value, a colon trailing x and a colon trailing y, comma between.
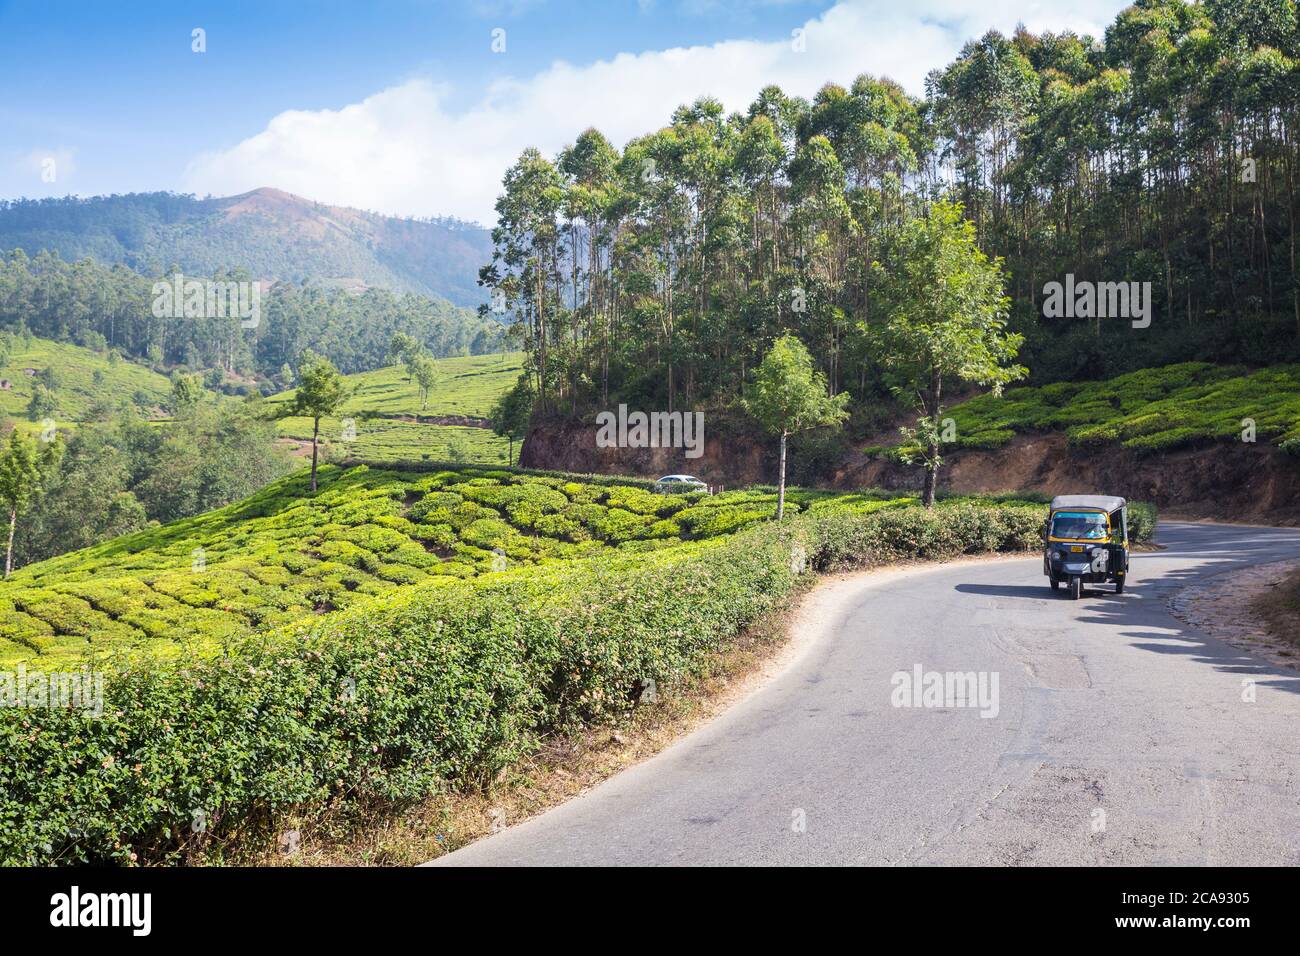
x: 1085, y: 541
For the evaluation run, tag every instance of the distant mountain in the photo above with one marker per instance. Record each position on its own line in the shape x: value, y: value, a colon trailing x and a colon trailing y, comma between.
x: 270, y: 233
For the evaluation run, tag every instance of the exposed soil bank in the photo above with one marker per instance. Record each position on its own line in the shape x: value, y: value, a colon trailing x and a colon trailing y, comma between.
x: 1227, y: 482
x: 1237, y: 482
x: 729, y: 458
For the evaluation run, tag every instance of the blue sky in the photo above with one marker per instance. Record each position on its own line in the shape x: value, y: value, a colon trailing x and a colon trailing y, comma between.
x: 403, y: 106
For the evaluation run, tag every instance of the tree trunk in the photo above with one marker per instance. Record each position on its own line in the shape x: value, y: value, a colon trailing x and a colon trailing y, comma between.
x: 931, y: 476
x: 934, y: 408
x: 780, y: 494
x: 9, y: 551
x: 315, y: 431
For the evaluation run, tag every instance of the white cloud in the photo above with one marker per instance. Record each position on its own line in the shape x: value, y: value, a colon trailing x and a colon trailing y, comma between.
x: 403, y: 151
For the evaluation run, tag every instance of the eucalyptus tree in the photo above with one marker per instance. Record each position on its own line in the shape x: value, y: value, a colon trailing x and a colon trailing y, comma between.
x: 525, y: 261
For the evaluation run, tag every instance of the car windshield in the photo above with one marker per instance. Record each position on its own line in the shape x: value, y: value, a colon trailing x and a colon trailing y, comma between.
x: 1078, y: 524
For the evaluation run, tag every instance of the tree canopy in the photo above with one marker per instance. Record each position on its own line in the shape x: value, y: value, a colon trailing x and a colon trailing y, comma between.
x: 1165, y: 151
x: 944, y: 322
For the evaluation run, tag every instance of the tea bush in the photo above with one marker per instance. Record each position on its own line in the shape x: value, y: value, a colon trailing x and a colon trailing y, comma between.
x: 285, y: 554
x: 435, y: 684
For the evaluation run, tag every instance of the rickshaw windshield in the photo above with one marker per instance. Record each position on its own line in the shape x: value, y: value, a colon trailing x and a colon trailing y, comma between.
x: 1089, y: 525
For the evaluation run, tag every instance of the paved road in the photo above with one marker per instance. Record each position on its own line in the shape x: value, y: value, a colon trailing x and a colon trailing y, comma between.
x: 1121, y: 737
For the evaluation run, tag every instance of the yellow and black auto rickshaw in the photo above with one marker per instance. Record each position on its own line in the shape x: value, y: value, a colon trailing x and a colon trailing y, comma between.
x: 1085, y: 541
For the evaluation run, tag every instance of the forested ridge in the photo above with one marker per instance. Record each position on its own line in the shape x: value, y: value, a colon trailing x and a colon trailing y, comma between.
x: 270, y: 233
x: 101, y: 306
x: 1164, y: 152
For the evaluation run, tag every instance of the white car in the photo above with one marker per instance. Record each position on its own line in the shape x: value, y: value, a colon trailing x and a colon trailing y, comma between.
x: 679, y: 485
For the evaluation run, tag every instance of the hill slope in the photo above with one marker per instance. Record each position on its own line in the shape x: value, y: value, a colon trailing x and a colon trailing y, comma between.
x: 83, y: 379
x: 1155, y: 409
x: 270, y: 233
x: 391, y: 424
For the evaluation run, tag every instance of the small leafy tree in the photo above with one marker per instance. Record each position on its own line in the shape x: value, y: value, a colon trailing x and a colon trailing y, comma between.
x: 512, y: 412
x: 946, y: 323
x: 22, y: 469
x: 403, y: 348
x: 187, y: 392
x: 790, y: 396
x: 321, y: 392
x: 426, y: 376
x: 42, y: 403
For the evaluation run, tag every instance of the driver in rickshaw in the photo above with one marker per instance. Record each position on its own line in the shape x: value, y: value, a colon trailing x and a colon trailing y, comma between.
x: 1080, y: 525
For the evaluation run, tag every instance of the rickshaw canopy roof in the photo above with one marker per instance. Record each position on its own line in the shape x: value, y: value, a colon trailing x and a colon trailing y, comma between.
x: 1107, y: 503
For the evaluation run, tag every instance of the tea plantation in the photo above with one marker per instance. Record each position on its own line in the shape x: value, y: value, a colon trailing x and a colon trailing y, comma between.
x: 384, y: 408
x: 468, y: 385
x: 1149, y: 410
x: 188, y: 588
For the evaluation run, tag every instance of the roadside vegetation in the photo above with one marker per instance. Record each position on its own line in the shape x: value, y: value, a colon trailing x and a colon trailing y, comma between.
x: 182, y: 590
x: 436, y: 671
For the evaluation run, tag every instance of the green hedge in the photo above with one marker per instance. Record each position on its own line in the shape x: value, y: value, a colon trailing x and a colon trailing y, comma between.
x: 445, y: 684
x: 1141, y: 522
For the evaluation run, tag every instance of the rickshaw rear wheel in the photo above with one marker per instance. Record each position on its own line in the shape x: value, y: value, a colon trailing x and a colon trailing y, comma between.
x: 1076, y: 587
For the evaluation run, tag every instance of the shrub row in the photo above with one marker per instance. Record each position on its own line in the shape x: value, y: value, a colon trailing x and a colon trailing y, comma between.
x: 441, y: 684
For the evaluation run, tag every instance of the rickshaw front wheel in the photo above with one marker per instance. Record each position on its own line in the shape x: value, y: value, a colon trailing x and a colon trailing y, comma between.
x: 1119, y: 584
x: 1076, y: 587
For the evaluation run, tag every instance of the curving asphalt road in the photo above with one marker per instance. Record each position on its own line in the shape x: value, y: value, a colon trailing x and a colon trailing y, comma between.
x: 1120, y: 737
